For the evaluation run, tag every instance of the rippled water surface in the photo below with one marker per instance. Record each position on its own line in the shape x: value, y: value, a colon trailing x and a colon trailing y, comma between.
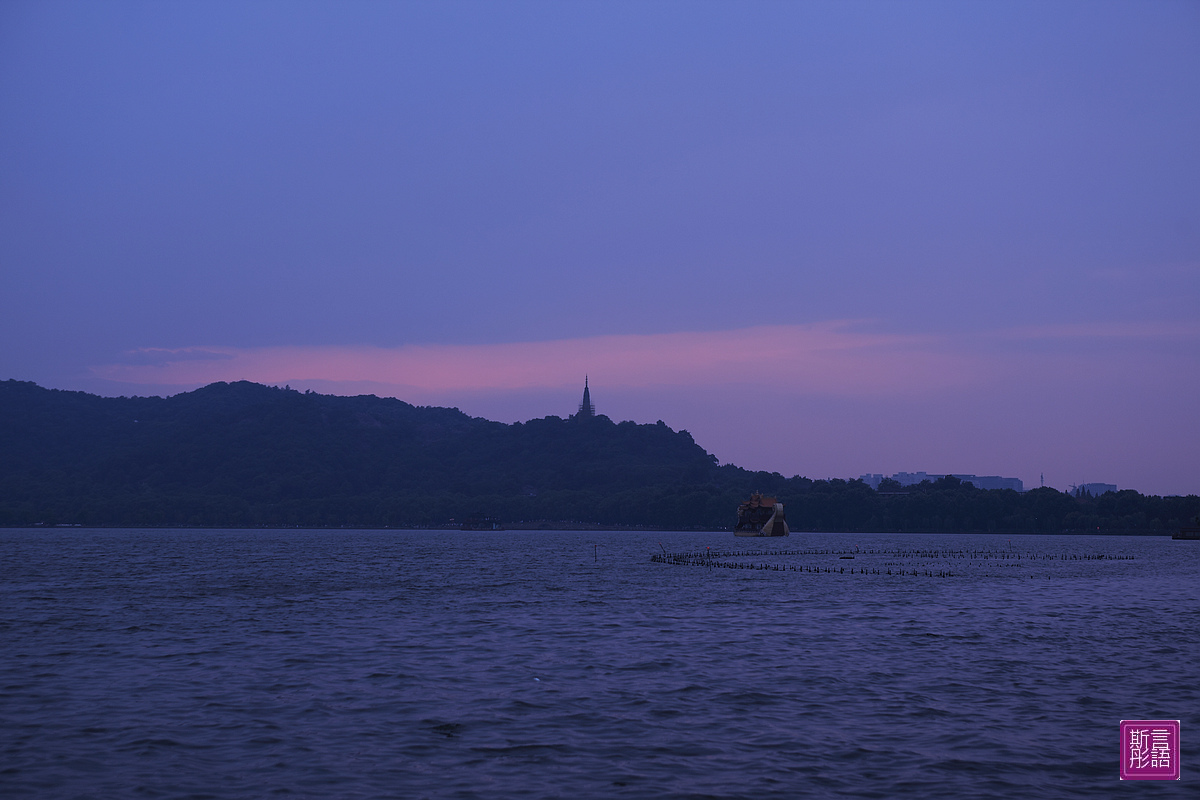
x: 248, y: 664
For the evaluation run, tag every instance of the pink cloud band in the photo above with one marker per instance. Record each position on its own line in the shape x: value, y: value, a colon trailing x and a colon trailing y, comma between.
x: 837, y: 358
x: 825, y: 357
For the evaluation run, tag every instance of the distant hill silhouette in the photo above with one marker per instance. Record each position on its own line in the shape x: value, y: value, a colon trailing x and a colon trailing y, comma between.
x: 243, y: 454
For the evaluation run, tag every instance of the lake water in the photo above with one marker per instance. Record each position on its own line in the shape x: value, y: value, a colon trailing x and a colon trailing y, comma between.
x: 372, y: 664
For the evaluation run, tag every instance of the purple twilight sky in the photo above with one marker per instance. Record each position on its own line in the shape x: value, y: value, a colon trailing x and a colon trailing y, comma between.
x: 827, y: 238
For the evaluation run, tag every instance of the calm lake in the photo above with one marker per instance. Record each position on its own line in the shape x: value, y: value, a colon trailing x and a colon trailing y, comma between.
x: 378, y: 664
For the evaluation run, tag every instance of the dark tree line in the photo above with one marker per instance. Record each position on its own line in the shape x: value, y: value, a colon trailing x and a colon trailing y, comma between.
x: 246, y: 455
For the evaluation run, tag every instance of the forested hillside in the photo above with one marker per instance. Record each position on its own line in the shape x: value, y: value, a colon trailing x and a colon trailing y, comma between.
x: 243, y: 454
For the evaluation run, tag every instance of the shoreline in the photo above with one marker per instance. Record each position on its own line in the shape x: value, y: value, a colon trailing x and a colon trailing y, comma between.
x: 579, y: 526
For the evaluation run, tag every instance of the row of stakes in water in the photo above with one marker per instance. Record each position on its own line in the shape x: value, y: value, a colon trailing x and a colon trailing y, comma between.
x: 710, y: 559
x: 902, y: 553
x: 699, y: 561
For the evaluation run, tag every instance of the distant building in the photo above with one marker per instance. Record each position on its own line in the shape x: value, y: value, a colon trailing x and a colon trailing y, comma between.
x: 1094, y: 489
x: 913, y: 478
x: 586, y: 409
x: 872, y: 479
x: 993, y: 482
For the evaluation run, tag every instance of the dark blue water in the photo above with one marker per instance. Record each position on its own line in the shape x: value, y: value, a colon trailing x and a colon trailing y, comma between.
x: 350, y: 664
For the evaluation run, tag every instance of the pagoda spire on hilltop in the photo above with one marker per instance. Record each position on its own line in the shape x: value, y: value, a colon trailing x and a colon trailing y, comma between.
x: 586, y: 409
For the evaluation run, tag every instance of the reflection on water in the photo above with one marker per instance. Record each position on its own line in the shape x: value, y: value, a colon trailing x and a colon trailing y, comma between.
x: 545, y: 664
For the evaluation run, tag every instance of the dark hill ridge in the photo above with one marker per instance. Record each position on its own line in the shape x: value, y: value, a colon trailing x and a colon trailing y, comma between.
x: 243, y: 454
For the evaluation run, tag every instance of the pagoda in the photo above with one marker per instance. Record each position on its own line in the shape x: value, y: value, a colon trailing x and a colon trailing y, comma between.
x: 586, y: 409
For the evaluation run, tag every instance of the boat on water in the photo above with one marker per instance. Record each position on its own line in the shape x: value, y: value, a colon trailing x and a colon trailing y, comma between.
x: 761, y: 516
x: 1189, y: 531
